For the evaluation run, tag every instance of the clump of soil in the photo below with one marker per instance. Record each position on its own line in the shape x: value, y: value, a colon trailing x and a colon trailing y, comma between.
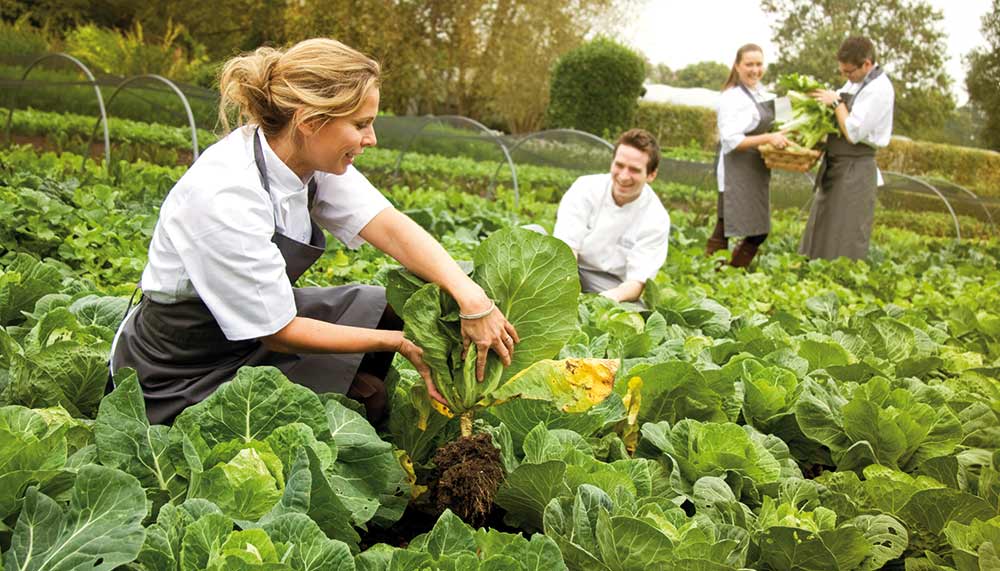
x: 469, y: 472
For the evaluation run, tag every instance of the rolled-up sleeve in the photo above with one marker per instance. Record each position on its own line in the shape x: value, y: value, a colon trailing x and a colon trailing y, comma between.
x: 870, y: 119
x: 650, y: 251
x: 345, y: 204
x: 572, y: 215
x: 224, y: 243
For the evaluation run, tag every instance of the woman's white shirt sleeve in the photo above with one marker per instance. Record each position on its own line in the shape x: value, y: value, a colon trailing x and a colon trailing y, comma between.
x: 870, y: 119
x: 345, y: 204
x: 223, y: 240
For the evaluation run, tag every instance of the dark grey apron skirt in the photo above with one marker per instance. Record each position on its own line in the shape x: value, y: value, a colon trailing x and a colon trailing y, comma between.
x: 596, y: 281
x: 843, y: 208
x: 181, y: 354
x: 746, y: 197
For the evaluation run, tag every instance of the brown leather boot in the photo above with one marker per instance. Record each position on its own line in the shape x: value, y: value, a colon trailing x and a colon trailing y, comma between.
x: 713, y: 245
x: 743, y: 254
x: 717, y: 241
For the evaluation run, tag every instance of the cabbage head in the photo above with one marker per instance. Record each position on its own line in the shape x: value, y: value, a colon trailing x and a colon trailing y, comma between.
x: 533, y: 280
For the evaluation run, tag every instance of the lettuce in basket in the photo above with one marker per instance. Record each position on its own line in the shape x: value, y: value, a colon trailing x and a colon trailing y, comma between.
x: 811, y: 121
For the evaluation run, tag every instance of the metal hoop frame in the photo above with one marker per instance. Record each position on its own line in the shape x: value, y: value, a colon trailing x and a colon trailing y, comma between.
x: 536, y: 135
x: 176, y: 90
x: 103, y: 119
x: 428, y: 119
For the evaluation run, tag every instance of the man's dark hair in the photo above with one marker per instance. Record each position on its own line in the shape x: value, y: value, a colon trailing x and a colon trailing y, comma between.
x: 856, y: 50
x: 644, y: 141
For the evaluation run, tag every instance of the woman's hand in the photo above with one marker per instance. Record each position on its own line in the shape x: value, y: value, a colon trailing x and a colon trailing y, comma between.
x: 415, y: 355
x: 492, y: 331
x: 778, y: 140
x: 825, y: 96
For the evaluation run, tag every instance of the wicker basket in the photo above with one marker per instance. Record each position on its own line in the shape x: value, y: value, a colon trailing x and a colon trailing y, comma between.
x: 798, y: 160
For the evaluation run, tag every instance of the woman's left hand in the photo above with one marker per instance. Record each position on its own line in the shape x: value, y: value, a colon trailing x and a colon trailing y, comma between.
x: 491, y: 331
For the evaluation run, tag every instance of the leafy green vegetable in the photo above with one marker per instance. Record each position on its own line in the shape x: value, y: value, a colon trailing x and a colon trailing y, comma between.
x: 532, y: 279
x: 100, y: 529
x: 811, y: 121
x: 452, y: 544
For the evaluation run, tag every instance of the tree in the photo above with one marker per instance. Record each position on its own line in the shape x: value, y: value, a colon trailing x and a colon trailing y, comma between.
x: 707, y: 74
x: 596, y: 88
x: 984, y: 76
x: 488, y: 59
x: 660, y: 73
x: 908, y: 41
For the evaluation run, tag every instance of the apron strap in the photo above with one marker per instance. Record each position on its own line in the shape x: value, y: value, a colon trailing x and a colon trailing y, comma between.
x: 258, y: 158
x: 131, y: 302
x: 762, y: 108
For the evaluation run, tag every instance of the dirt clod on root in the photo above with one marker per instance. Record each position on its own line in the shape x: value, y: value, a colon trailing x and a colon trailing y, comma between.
x: 470, y: 473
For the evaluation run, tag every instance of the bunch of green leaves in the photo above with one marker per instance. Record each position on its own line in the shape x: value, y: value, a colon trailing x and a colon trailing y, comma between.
x: 795, y: 532
x: 533, y: 281
x: 811, y: 120
x: 621, y: 532
x: 259, y: 447
x: 452, y: 545
x: 925, y: 505
x: 197, y: 535
x: 877, y: 423
x: 42, y: 448
x: 554, y: 463
x: 98, y: 526
x: 752, y: 464
x: 54, y: 348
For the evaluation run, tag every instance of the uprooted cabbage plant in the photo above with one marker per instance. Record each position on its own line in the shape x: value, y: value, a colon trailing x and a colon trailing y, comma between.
x: 533, y: 280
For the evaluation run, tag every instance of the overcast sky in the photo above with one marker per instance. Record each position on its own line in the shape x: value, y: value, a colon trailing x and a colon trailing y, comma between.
x: 681, y: 32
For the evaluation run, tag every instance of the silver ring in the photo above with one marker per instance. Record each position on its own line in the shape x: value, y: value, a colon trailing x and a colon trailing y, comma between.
x: 509, y: 339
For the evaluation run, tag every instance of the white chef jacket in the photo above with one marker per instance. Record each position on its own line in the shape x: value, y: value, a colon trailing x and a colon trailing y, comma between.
x: 736, y: 116
x: 627, y: 241
x: 213, y: 237
x: 870, y: 119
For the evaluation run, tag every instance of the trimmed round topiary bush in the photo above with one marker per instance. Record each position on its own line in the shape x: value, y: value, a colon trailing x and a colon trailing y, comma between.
x: 596, y: 88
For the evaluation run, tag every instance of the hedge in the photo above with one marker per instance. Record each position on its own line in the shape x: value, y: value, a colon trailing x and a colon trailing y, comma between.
x: 679, y: 125
x: 976, y: 169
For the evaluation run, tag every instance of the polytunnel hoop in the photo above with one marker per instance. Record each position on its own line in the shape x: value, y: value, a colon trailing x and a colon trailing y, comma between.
x: 97, y: 91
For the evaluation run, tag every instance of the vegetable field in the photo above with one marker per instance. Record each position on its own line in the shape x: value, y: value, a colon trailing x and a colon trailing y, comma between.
x: 803, y: 415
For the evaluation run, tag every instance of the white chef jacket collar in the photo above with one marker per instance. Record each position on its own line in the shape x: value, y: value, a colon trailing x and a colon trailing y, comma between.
x: 757, y: 89
x: 278, y: 173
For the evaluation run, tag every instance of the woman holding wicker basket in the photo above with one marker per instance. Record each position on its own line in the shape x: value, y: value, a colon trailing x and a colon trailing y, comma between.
x: 745, y: 117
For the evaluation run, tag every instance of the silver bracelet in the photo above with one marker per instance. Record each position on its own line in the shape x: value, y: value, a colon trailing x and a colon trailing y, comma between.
x: 479, y: 315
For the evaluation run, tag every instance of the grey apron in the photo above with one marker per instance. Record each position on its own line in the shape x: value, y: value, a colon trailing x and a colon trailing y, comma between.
x: 746, y: 197
x: 843, y: 209
x: 181, y: 354
x: 596, y: 281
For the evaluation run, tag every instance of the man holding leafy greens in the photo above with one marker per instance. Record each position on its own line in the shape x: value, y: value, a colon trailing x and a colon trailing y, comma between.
x: 840, y: 221
x: 615, y: 223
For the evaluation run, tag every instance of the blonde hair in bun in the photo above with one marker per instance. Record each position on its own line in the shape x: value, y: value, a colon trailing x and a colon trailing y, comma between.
x: 314, y: 79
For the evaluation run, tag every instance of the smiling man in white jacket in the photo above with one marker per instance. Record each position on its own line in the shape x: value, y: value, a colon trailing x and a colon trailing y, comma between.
x: 615, y: 223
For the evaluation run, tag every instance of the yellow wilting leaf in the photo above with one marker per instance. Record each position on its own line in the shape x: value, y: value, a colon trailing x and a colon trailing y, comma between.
x: 411, y: 476
x: 632, y: 401
x: 442, y: 410
x: 424, y: 404
x: 572, y: 385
